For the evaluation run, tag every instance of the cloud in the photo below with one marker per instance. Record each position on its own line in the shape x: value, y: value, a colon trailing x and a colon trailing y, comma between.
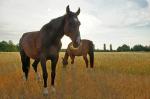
x: 121, y: 13
x: 141, y: 3
x: 103, y: 21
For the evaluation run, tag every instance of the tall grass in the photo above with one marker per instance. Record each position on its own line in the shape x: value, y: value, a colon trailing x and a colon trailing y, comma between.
x: 115, y: 76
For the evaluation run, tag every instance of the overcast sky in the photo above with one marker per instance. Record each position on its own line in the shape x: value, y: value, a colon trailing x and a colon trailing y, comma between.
x: 103, y: 21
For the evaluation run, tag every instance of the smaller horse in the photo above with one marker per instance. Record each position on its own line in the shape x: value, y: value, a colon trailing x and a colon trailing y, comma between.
x: 85, y: 47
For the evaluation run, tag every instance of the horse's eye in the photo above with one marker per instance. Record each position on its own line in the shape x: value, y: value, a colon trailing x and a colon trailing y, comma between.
x: 71, y: 23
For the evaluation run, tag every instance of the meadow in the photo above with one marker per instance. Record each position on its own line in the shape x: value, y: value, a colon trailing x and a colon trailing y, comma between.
x: 116, y: 75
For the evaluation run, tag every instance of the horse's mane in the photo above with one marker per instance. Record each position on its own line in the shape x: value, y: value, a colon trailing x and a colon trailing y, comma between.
x: 55, y: 23
x: 53, y: 30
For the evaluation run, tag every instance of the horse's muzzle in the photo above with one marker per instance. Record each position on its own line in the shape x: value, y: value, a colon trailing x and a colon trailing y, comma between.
x: 77, y: 42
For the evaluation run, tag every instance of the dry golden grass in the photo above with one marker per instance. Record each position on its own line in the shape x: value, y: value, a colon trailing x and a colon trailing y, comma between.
x: 115, y: 76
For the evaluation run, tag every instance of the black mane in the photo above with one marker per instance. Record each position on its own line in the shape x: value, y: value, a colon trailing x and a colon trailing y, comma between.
x: 54, y: 25
x: 53, y: 31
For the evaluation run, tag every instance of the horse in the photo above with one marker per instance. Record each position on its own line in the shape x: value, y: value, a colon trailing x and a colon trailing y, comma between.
x: 45, y: 44
x: 85, y: 47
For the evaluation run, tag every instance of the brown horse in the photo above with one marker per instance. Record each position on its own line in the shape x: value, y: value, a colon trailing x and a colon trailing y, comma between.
x: 45, y: 44
x: 86, y: 47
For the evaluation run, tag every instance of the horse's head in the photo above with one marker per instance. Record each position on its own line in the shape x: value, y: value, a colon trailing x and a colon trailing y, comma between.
x: 64, y: 62
x: 71, y: 27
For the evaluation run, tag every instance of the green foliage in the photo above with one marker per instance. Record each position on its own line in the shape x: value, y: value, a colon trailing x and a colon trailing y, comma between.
x: 140, y: 48
x: 8, y: 46
x: 123, y: 48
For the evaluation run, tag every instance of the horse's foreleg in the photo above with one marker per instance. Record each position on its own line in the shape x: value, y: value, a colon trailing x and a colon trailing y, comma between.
x: 45, y: 74
x: 53, y: 71
x: 35, y: 64
x: 86, y: 60
x: 72, y: 59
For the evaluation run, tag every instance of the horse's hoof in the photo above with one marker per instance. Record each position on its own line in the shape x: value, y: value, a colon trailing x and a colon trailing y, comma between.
x: 53, y: 89
x: 45, y: 92
x: 87, y: 69
x: 24, y: 77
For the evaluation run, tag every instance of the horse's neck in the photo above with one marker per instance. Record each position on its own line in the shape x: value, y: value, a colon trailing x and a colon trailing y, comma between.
x: 53, y: 31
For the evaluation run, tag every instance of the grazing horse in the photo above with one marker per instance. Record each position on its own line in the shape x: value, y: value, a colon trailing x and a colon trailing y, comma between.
x: 86, y: 47
x: 45, y: 44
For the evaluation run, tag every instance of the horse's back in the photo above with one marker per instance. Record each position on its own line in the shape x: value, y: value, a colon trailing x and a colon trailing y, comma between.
x: 30, y: 44
x: 86, y: 45
x: 86, y: 42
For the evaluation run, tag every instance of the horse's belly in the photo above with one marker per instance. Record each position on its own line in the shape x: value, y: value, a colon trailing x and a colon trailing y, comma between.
x: 75, y: 53
x: 31, y: 52
x: 32, y: 55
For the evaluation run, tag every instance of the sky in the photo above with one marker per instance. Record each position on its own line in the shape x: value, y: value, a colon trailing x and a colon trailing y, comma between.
x: 113, y: 22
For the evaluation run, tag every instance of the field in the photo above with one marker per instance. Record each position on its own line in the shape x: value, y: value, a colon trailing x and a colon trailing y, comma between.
x: 115, y: 76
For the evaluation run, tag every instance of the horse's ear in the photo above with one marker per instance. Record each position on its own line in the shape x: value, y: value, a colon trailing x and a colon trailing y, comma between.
x: 67, y: 9
x: 78, y: 12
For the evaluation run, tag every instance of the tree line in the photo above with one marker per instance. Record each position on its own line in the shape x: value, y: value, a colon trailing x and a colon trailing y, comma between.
x: 138, y: 47
x: 8, y: 46
x: 11, y: 47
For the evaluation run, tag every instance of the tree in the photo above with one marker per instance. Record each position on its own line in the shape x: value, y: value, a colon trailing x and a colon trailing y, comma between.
x: 111, y: 47
x: 104, y: 47
x: 123, y: 48
x: 8, y: 46
x: 10, y: 42
x: 4, y: 46
x: 140, y: 47
x: 147, y: 48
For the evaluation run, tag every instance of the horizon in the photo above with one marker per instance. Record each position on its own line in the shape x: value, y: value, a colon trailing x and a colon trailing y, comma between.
x: 100, y: 49
x: 111, y: 22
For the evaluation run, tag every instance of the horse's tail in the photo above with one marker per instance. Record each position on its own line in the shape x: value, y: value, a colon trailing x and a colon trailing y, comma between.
x: 25, y: 63
x: 24, y: 59
x: 91, y: 53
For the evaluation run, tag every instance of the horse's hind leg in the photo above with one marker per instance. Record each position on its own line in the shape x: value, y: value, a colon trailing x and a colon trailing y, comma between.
x: 25, y: 63
x: 35, y: 64
x: 86, y: 60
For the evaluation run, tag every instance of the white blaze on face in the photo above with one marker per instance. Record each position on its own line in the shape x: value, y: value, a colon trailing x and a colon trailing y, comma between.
x: 78, y: 38
x: 75, y: 19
